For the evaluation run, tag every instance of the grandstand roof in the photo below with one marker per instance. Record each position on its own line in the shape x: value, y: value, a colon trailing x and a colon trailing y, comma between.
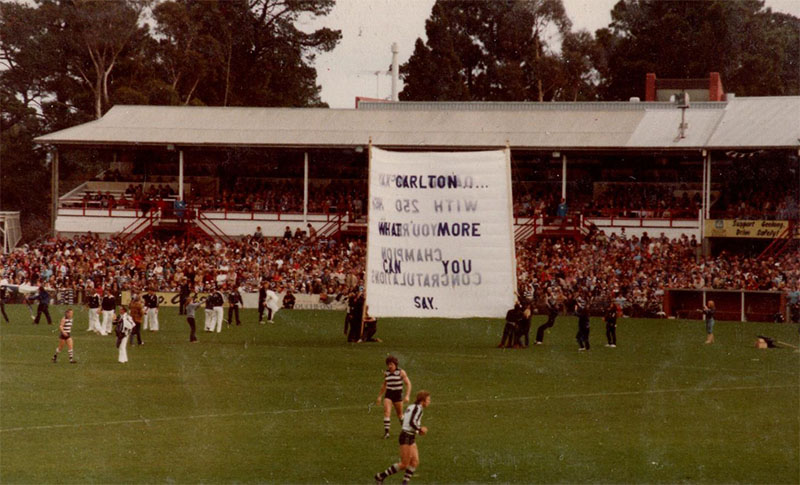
x: 740, y: 123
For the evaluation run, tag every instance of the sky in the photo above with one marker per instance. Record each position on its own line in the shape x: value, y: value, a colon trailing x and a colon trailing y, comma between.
x: 370, y: 26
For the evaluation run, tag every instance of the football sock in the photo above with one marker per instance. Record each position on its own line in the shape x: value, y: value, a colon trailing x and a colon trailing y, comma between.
x: 389, y: 471
x: 387, y: 423
x: 409, y: 473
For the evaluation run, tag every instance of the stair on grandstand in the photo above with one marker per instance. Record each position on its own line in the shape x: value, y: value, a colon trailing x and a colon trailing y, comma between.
x: 787, y: 240
x: 571, y: 227
x: 337, y: 228
x: 560, y: 232
x: 354, y: 231
x: 165, y: 229
x: 167, y: 226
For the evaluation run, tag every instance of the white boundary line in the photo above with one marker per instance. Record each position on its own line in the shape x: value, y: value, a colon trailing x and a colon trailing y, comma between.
x: 147, y: 421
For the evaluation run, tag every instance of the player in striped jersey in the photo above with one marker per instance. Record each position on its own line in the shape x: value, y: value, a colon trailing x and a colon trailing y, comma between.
x: 65, y: 336
x: 409, y: 454
x: 392, y: 392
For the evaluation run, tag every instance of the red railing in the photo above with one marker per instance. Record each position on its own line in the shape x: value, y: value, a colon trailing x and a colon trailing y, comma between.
x: 138, y: 226
x: 781, y: 242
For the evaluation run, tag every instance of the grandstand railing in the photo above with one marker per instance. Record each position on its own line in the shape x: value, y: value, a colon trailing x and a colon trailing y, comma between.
x: 331, y: 228
x: 139, y: 226
x: 784, y: 240
x: 208, y: 226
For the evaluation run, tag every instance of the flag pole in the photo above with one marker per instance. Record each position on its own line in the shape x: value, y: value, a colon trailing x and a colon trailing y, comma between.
x: 366, y: 252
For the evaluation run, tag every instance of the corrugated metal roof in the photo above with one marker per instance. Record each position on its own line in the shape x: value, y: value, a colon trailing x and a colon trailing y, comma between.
x: 660, y: 128
x: 443, y: 125
x: 759, y: 122
x: 527, y: 106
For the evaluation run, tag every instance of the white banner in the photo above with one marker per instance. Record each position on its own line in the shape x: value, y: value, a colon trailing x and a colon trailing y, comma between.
x: 440, y: 240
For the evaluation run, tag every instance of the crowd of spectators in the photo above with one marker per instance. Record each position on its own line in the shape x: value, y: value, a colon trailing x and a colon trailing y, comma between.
x: 634, y: 271
x: 616, y: 200
x: 736, y: 199
x: 286, y: 195
x: 298, y: 264
x: 134, y: 196
x: 759, y: 189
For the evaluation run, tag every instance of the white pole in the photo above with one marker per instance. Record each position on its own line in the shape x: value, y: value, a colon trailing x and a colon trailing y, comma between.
x: 708, y: 186
x: 54, y: 189
x: 395, y: 71
x: 305, y: 188
x: 743, y: 317
x: 703, y: 189
x: 180, y: 175
x: 564, y: 176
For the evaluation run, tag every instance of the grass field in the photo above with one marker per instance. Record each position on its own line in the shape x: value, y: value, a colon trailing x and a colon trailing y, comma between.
x: 293, y: 403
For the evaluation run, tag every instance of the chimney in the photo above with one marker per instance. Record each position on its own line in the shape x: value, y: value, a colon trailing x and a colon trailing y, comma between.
x: 650, y: 87
x: 715, y: 91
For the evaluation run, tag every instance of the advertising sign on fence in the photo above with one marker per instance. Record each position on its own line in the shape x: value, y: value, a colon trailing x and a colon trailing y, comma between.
x: 250, y: 300
x: 440, y: 236
x: 759, y: 229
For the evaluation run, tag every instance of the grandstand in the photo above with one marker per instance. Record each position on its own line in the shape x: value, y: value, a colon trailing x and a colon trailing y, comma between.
x: 722, y: 173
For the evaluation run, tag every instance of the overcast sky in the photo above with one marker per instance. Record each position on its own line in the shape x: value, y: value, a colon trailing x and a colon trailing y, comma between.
x: 370, y: 26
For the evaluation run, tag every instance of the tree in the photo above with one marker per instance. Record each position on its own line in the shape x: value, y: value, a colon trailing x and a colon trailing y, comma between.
x: 579, y: 54
x: 90, y: 37
x: 241, y: 53
x: 65, y: 62
x: 756, y: 51
x: 502, y: 50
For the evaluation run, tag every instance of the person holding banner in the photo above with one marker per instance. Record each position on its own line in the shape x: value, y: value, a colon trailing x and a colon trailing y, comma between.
x: 355, y: 313
x: 524, y: 328
x: 513, y: 319
x: 391, y: 394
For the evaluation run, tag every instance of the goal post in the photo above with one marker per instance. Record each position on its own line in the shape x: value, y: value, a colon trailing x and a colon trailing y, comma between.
x: 10, y: 230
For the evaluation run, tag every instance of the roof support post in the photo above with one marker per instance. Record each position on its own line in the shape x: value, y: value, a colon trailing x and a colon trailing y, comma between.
x: 180, y: 174
x: 305, y: 188
x: 53, y: 188
x: 707, y: 186
x: 564, y: 176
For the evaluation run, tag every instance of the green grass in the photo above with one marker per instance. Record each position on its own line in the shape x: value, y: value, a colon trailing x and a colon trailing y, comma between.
x: 293, y: 403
